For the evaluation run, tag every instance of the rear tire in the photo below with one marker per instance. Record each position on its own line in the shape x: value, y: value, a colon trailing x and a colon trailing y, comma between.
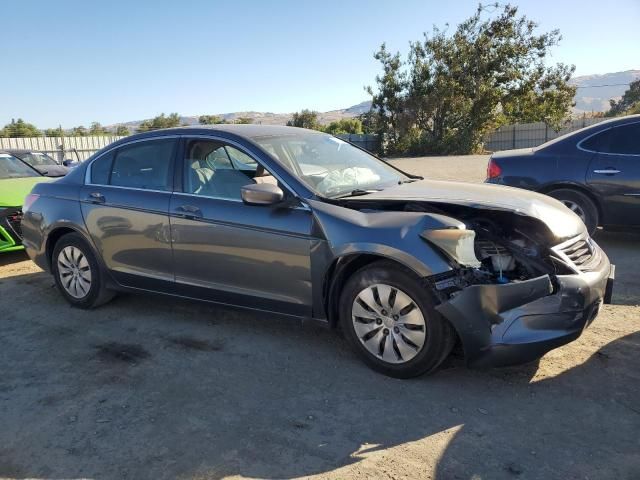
x: 78, y: 274
x: 390, y: 321
x: 580, y: 204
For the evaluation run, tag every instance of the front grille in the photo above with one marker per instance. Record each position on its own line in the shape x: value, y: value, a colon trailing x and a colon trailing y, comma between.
x: 580, y: 252
x: 10, y: 219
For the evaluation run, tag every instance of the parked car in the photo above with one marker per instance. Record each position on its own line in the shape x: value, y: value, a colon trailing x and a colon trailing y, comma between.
x: 42, y: 162
x: 298, y: 222
x: 16, y: 181
x: 594, y: 171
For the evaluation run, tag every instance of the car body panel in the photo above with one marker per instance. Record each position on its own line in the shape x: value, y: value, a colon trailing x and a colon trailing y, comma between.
x: 216, y: 247
x: 285, y: 257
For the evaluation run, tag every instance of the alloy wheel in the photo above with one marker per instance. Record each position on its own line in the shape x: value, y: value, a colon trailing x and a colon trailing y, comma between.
x: 74, y: 271
x: 389, y: 323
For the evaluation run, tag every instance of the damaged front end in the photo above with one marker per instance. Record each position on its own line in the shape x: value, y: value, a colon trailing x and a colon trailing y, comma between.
x: 516, y: 287
x: 513, y: 295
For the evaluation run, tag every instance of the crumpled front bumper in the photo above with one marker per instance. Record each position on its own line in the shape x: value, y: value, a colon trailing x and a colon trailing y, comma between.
x: 519, y: 322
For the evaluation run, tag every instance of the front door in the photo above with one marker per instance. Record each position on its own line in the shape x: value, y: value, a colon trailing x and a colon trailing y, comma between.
x: 614, y: 172
x: 125, y: 205
x: 230, y: 252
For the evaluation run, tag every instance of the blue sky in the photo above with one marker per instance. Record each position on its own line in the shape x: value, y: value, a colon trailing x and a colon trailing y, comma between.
x: 74, y: 62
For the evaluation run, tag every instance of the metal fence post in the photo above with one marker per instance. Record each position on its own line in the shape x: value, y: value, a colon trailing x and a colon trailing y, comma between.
x: 513, y: 137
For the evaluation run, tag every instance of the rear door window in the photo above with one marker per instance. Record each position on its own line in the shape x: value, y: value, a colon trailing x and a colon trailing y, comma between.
x: 623, y: 140
x: 145, y: 165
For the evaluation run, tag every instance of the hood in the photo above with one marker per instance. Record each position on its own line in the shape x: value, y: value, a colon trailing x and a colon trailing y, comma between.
x: 561, y: 221
x: 14, y: 190
x: 52, y: 170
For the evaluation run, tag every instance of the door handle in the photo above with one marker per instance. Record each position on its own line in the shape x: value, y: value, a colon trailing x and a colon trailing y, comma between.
x: 96, y: 197
x: 607, y: 171
x: 189, y: 211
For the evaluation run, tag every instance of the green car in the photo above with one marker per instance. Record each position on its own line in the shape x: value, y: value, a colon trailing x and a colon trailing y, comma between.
x: 16, y: 181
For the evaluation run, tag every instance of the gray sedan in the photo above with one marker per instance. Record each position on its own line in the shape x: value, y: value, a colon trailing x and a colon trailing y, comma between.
x: 302, y: 223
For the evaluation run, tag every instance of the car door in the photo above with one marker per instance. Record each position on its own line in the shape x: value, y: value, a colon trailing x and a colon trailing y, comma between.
x: 230, y: 252
x: 614, y: 172
x: 125, y: 203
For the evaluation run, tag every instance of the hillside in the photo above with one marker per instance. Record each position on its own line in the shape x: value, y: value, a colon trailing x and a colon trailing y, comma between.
x: 591, y: 96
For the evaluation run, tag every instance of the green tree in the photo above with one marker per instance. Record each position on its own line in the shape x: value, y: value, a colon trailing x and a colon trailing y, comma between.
x: 210, y: 119
x: 244, y: 120
x: 19, y: 128
x: 454, y: 89
x: 97, y: 129
x: 54, y: 132
x: 161, y: 121
x: 344, y: 126
x: 122, y: 131
x: 79, y: 131
x: 628, y: 104
x: 305, y: 119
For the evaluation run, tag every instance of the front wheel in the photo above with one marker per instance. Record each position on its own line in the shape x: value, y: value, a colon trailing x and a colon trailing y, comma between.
x: 77, y: 273
x: 391, y: 323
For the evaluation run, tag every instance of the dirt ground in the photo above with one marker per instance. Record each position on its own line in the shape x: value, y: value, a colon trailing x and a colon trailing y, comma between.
x: 149, y: 387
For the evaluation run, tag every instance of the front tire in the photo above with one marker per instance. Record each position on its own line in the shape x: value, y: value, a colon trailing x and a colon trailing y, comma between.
x: 390, y: 321
x: 77, y: 273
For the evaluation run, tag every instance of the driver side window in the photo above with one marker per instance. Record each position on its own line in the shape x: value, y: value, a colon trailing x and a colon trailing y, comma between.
x: 218, y: 170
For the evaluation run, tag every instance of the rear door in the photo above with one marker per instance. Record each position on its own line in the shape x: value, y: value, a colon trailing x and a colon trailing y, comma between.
x: 230, y: 252
x: 614, y: 172
x: 125, y: 203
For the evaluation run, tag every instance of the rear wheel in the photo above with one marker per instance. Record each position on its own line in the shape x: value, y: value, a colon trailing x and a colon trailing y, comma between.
x: 77, y: 273
x: 391, y: 323
x: 580, y: 204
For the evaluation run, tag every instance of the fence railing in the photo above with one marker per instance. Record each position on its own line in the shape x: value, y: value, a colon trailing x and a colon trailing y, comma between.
x: 60, y: 148
x: 527, y: 135
x: 505, y: 138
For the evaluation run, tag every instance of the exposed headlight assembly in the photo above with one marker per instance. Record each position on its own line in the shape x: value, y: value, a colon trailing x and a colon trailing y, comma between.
x: 457, y: 243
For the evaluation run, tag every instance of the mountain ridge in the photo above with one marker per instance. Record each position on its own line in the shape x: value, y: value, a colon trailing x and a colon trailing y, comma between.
x: 593, y: 95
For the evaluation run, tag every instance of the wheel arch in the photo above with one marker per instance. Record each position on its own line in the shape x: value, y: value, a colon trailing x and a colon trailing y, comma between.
x: 56, y: 234
x: 341, y: 269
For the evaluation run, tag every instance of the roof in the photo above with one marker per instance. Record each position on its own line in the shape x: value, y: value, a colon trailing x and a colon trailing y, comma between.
x: 249, y: 131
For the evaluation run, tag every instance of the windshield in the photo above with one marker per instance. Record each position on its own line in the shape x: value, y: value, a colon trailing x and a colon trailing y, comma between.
x: 328, y: 165
x: 37, y: 159
x: 11, y: 167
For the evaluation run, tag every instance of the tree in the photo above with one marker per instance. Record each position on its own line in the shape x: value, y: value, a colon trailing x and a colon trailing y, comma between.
x: 97, y: 129
x: 453, y: 89
x: 161, y: 121
x: 628, y: 104
x: 305, y: 119
x: 244, y: 120
x: 122, y: 131
x: 344, y: 126
x: 210, y: 119
x: 54, y: 132
x: 19, y: 128
x: 79, y: 131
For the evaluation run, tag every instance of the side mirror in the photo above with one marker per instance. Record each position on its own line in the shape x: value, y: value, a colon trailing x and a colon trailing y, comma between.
x: 67, y: 163
x: 261, y: 194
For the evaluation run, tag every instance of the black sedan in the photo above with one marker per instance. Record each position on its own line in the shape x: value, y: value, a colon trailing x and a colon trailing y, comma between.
x: 594, y: 171
x: 42, y: 162
x: 298, y: 222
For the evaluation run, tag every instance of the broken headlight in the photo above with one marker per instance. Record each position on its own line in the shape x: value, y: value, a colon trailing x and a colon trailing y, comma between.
x: 456, y: 243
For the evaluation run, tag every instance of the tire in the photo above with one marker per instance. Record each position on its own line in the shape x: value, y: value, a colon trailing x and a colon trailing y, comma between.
x: 381, y: 336
x: 78, y: 274
x: 580, y: 204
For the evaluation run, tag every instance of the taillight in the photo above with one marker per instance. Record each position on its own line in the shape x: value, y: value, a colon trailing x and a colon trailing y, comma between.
x: 493, y: 169
x: 32, y: 197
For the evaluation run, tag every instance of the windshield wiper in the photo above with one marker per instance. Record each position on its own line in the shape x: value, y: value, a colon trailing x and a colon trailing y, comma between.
x: 357, y: 192
x: 409, y: 180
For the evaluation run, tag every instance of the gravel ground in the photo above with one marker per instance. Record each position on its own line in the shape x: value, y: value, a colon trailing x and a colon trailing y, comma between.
x: 150, y: 387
